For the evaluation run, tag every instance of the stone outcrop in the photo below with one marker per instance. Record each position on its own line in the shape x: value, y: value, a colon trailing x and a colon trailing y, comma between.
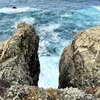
x: 20, y: 68
x: 25, y: 92
x: 80, y: 62
x: 19, y: 61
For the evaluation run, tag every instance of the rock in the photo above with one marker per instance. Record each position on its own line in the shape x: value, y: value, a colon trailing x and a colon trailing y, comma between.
x: 4, y: 85
x: 20, y: 68
x: 80, y: 62
x: 25, y: 92
x: 19, y: 61
x: 97, y: 92
x: 14, y: 7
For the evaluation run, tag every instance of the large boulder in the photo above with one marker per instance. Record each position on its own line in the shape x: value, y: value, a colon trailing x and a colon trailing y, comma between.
x: 19, y: 61
x: 80, y: 62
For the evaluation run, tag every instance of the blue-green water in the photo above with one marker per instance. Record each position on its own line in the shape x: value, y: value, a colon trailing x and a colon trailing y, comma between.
x: 55, y: 21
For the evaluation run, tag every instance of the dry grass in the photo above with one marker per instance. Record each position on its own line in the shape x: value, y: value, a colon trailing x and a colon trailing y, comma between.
x: 53, y: 93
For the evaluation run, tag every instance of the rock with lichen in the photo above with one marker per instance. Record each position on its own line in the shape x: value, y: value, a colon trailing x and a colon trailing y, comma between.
x: 25, y: 92
x: 80, y: 62
x: 19, y: 61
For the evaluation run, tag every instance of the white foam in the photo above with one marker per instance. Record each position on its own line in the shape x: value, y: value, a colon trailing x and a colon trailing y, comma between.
x: 42, y: 47
x: 50, y: 27
x: 65, y: 15
x: 96, y: 7
x: 48, y: 31
x: 28, y: 20
x: 17, y: 10
x: 49, y: 72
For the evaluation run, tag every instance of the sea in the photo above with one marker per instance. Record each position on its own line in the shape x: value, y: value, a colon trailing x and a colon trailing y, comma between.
x: 55, y: 21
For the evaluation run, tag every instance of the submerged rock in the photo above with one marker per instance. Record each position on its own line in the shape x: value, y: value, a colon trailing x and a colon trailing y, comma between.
x: 14, y: 7
x: 19, y: 61
x: 80, y: 62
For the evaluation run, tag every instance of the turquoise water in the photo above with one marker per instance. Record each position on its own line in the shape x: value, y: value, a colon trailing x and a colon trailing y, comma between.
x: 55, y: 22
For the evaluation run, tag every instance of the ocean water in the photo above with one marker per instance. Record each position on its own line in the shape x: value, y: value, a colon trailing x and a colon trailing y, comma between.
x: 55, y: 21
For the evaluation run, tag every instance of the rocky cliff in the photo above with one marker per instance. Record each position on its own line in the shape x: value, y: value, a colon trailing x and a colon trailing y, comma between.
x: 80, y: 62
x: 20, y: 68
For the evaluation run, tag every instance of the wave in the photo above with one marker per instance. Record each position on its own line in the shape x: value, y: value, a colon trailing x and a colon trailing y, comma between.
x: 8, y: 10
x: 97, y: 7
x: 50, y: 27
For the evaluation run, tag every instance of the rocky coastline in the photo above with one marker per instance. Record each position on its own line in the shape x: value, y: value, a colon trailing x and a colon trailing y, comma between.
x: 79, y: 67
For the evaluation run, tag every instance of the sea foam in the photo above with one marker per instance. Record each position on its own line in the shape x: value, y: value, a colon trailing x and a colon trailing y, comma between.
x: 8, y: 10
x: 49, y: 72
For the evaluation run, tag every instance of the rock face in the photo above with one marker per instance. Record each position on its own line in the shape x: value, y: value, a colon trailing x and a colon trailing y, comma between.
x: 80, y: 62
x: 19, y: 61
x: 25, y: 92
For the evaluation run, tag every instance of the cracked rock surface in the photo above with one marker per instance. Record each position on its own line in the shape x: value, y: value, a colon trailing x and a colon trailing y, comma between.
x: 80, y: 62
x: 19, y: 61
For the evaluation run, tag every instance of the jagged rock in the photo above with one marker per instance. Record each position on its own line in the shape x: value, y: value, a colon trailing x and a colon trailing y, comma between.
x: 19, y: 68
x: 80, y: 62
x: 25, y: 92
x: 19, y: 61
